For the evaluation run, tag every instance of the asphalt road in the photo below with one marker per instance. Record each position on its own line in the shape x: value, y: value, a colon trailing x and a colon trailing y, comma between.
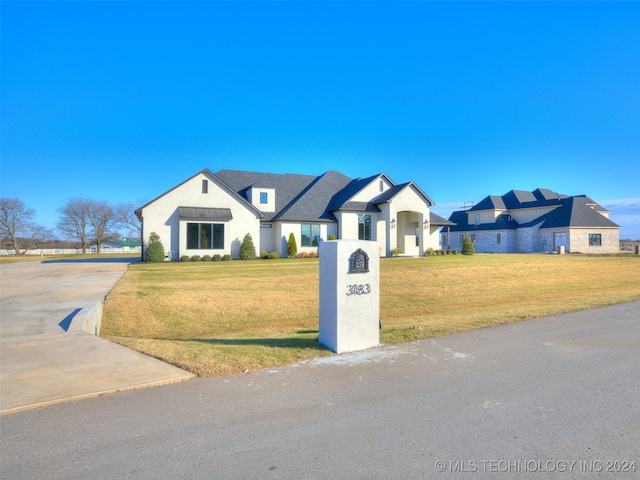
x: 556, y: 397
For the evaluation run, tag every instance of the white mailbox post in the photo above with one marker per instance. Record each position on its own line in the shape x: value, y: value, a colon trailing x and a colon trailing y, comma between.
x: 349, y: 295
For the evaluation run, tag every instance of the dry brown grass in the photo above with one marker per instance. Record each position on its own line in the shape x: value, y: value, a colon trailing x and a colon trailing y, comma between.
x: 224, y: 318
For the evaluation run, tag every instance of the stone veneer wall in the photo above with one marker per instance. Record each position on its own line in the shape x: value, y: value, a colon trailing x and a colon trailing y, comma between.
x: 525, y: 239
x: 579, y: 240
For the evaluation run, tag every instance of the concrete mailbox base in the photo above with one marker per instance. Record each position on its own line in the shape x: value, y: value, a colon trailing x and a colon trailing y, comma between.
x: 349, y: 295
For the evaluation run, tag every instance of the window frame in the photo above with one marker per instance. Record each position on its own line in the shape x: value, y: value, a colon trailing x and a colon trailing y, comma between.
x: 364, y: 226
x: 264, y: 198
x: 215, y: 238
x: 309, y: 239
x: 205, y: 186
x: 595, y: 239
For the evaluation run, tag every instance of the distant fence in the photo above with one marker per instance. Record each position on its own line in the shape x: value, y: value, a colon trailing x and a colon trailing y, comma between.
x: 72, y: 251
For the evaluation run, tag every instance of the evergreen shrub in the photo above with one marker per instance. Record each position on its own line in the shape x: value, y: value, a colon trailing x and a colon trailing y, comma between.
x: 292, y: 246
x: 247, y: 248
x: 155, y: 249
x: 467, y: 246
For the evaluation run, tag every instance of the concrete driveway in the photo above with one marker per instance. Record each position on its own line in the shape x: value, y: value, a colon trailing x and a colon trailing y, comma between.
x: 42, y: 361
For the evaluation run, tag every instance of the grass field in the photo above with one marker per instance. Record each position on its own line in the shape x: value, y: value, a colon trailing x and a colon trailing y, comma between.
x: 222, y: 318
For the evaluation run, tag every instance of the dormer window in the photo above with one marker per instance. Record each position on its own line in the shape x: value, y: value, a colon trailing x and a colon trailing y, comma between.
x: 381, y: 186
x: 476, y: 218
x: 262, y: 198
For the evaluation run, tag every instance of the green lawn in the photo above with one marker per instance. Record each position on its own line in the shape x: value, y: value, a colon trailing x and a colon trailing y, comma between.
x: 221, y: 318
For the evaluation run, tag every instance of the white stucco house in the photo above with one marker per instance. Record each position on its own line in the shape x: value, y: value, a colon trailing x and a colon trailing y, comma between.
x: 210, y: 213
x: 538, y: 221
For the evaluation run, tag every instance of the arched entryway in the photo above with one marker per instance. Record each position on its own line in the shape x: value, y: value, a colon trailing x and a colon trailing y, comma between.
x: 410, y: 232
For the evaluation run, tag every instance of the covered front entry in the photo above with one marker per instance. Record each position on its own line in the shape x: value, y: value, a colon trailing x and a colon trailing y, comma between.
x: 410, y: 231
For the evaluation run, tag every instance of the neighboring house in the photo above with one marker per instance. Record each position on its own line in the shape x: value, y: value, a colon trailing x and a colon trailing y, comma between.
x: 538, y: 221
x: 211, y: 213
x: 124, y: 246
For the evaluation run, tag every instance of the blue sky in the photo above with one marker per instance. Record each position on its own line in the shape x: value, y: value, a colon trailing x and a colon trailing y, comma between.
x: 123, y: 100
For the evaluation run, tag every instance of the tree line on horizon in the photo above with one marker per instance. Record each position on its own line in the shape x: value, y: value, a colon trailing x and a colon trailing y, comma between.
x: 81, y: 222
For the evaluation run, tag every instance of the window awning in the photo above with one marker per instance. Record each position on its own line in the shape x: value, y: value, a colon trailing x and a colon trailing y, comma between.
x: 201, y: 213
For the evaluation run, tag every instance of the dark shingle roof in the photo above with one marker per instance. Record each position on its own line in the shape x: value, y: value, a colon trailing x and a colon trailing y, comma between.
x: 305, y: 198
x: 341, y: 199
x: 360, y: 207
x: 492, y: 202
x: 437, y: 220
x: 298, y: 197
x: 311, y: 203
x: 515, y: 199
x: 546, y: 194
x: 395, y: 190
x: 287, y: 185
x: 574, y: 212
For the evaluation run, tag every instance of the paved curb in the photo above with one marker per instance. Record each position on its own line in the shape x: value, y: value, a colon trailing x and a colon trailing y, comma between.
x: 88, y: 319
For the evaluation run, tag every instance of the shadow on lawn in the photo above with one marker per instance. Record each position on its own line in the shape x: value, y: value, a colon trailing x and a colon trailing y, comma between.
x: 286, y: 342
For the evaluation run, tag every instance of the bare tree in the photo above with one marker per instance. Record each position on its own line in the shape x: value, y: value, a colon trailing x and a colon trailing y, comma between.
x: 102, y: 218
x: 74, y: 222
x: 15, y: 222
x: 127, y: 218
x: 39, y: 237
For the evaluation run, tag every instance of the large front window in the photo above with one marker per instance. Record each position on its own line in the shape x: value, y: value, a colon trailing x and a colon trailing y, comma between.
x: 205, y: 236
x: 364, y: 227
x: 310, y: 235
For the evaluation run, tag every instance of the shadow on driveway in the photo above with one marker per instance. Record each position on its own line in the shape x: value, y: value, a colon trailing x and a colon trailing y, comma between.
x: 95, y: 260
